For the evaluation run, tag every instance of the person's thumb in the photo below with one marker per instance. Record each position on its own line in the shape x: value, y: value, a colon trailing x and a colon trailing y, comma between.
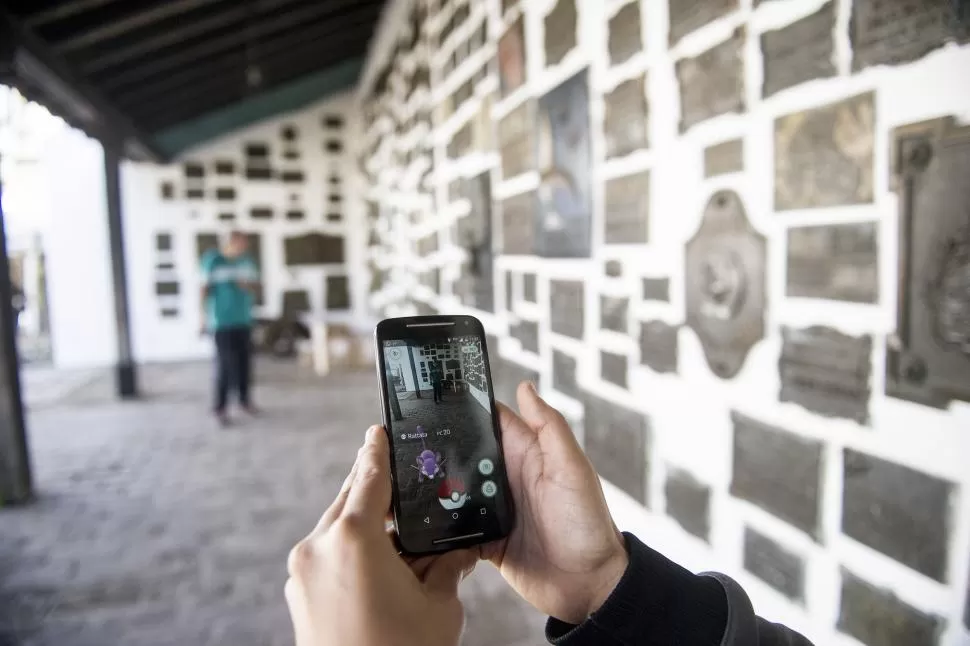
x: 547, y: 422
x: 370, y: 492
x: 448, y: 570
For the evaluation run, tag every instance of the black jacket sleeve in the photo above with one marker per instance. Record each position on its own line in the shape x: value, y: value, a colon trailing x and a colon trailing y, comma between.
x: 659, y: 602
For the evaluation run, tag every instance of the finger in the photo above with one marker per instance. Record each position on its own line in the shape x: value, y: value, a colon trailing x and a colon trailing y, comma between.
x: 370, y: 494
x: 338, y: 503
x: 513, y: 426
x: 447, y: 571
x: 549, y: 425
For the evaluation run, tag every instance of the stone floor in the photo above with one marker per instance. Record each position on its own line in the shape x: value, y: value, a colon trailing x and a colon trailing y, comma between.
x: 152, y: 527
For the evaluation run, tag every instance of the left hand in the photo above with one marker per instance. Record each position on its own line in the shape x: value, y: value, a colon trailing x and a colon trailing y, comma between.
x: 348, y: 585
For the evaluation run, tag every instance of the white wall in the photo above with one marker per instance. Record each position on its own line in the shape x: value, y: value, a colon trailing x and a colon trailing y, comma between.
x: 689, y: 411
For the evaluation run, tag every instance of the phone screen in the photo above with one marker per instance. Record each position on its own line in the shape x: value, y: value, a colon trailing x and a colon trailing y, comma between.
x: 449, y: 474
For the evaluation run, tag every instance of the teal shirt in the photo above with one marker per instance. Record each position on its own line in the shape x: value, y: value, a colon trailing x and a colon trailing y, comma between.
x: 227, y: 304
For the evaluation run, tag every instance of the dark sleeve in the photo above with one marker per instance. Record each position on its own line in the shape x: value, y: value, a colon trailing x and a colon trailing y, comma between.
x: 659, y: 602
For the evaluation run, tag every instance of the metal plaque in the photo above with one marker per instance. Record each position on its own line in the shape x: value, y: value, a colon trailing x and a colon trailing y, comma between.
x: 778, y: 471
x: 474, y: 234
x: 338, y: 293
x: 725, y: 283
x: 712, y: 83
x: 561, y: 31
x: 527, y: 333
x: 658, y: 346
x: 529, y: 288
x: 656, y: 289
x: 613, y: 368
x: 512, y: 71
x: 625, y: 38
x: 313, y: 249
x: 928, y: 360
x: 877, y: 616
x: 517, y: 223
x: 516, y: 145
x: 616, y: 441
x: 295, y: 302
x: 625, y: 124
x: 781, y: 569
x: 800, y: 52
x: 563, y: 221
x: 688, y: 15
x: 564, y: 374
x: 826, y: 372
x: 892, y: 32
x: 628, y: 209
x: 723, y: 158
x: 566, y: 305
x: 614, y: 313
x: 836, y: 261
x: 688, y: 502
x: 823, y: 157
x: 901, y: 512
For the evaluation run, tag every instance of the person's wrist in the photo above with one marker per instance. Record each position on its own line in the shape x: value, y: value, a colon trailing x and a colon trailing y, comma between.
x: 608, y: 575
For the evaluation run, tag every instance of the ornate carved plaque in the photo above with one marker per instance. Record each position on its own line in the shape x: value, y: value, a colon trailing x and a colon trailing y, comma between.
x: 823, y: 157
x: 688, y: 15
x: 712, y: 83
x: 516, y: 145
x: 614, y: 313
x: 656, y: 289
x: 474, y: 234
x: 658, y: 346
x: 725, y: 157
x: 837, y: 261
x: 313, y: 249
x: 688, y: 502
x: 929, y: 359
x: 625, y: 38
x: 628, y: 209
x: 613, y: 368
x: 781, y: 569
x: 877, y: 616
x: 527, y: 333
x: 800, y: 52
x: 891, y: 32
x: 511, y: 58
x: 826, y: 371
x: 566, y: 307
x: 561, y: 32
x: 564, y: 374
x: 616, y: 442
x: 517, y: 223
x: 625, y: 124
x: 725, y: 283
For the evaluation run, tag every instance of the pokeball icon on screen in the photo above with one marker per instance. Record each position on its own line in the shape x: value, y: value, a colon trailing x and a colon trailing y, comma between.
x: 452, y: 494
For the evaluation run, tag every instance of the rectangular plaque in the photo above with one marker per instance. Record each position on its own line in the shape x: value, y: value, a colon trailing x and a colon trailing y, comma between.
x: 779, y: 472
x: 725, y: 157
x: 892, y: 32
x: 295, y: 301
x: 628, y: 209
x: 225, y: 194
x: 512, y: 69
x: 517, y: 219
x: 688, y: 502
x: 527, y: 333
x: 564, y: 374
x: 566, y: 307
x: 313, y: 249
x: 516, y: 145
x: 613, y: 368
x: 837, y: 261
x: 688, y: 15
x: 712, y: 83
x: 168, y: 191
x: 561, y: 31
x: 625, y: 38
x: 826, y: 372
x: 563, y: 222
x: 929, y: 359
x: 614, y: 313
x: 877, y: 616
x: 625, y: 124
x: 778, y: 567
x: 616, y: 442
x: 163, y: 241
x: 659, y: 346
x: 261, y: 213
x: 800, y: 52
x: 338, y: 293
x: 167, y: 288
x: 901, y: 512
x: 529, y: 288
x: 823, y: 156
x: 656, y: 289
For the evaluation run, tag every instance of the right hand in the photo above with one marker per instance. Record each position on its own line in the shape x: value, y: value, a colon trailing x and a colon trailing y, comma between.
x: 564, y: 554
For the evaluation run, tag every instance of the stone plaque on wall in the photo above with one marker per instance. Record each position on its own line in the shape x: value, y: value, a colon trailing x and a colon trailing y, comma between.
x: 313, y: 249
x: 836, y: 261
x: 877, y: 616
x: 512, y: 69
x: 688, y: 15
x: 928, y: 360
x: 725, y: 282
x: 338, y: 293
x: 625, y: 39
x: 800, y: 52
x: 725, y: 157
x: 561, y: 31
x: 656, y: 289
x: 628, y: 209
x: 712, y: 83
x: 613, y: 368
x: 891, y: 32
x: 779, y: 472
x: 823, y: 156
x: 901, y: 512
x: 625, y: 124
x: 564, y: 374
x: 658, y: 346
x: 517, y: 223
x: 614, y: 313
x: 616, y: 442
x: 826, y: 372
x: 516, y: 145
x: 527, y: 333
x: 688, y: 502
x: 566, y: 307
x: 781, y: 569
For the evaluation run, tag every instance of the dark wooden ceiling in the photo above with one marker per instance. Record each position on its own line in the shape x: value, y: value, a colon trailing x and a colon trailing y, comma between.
x: 162, y: 62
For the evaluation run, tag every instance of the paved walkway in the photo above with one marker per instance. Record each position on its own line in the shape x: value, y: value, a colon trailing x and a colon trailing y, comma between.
x: 154, y: 528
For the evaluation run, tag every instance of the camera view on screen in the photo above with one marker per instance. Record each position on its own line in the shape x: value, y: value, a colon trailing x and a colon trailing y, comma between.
x: 446, y: 456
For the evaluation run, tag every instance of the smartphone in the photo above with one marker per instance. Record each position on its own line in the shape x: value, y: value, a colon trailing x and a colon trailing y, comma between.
x: 450, y: 488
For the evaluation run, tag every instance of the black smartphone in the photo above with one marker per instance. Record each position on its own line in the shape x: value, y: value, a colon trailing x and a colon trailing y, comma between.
x: 450, y: 488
